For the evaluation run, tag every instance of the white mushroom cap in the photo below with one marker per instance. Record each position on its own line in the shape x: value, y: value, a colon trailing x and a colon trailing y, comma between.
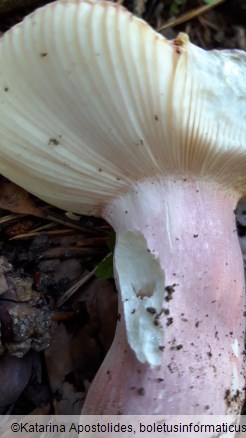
x: 93, y: 99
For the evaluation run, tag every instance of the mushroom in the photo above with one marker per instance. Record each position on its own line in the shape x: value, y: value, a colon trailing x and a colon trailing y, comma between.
x: 101, y: 115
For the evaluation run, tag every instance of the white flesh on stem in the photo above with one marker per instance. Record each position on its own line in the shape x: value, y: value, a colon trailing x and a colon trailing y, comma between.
x: 188, y: 226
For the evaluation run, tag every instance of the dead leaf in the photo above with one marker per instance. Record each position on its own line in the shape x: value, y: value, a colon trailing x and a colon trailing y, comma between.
x: 17, y: 200
x: 59, y: 364
x: 14, y: 376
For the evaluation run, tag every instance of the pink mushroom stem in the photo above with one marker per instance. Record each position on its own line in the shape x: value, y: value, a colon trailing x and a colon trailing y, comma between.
x: 188, y: 225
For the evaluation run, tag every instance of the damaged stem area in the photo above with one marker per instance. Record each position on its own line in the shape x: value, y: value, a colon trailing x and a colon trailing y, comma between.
x: 178, y: 347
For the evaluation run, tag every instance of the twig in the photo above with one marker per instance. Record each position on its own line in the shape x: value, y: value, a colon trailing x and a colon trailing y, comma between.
x: 189, y: 15
x: 76, y: 286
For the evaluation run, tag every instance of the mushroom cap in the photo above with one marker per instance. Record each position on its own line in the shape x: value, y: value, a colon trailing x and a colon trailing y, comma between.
x: 92, y: 100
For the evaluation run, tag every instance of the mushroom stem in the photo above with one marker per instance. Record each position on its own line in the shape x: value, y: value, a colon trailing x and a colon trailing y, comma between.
x: 193, y: 347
